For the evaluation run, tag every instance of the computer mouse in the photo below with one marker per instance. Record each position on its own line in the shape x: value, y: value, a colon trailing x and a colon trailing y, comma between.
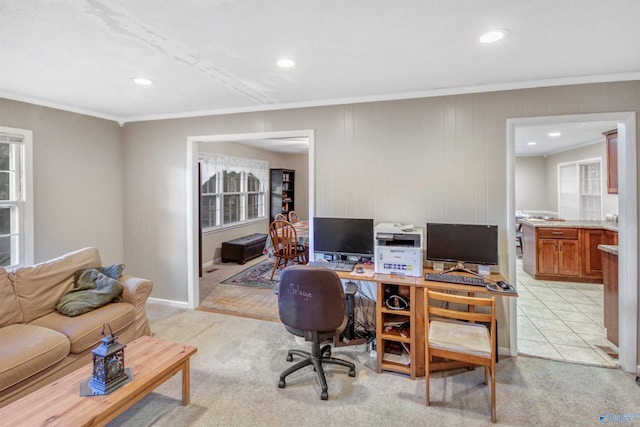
x: 503, y: 284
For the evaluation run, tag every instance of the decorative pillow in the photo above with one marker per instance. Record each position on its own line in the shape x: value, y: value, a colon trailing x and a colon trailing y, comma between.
x: 113, y: 271
x: 93, y: 289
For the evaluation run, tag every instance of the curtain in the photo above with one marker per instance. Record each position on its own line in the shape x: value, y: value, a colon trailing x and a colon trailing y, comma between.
x: 214, y: 163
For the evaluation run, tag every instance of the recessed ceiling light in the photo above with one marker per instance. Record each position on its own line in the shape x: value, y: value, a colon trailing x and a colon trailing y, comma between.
x: 493, y: 36
x: 286, y: 63
x: 531, y: 143
x: 142, y: 81
x: 552, y: 134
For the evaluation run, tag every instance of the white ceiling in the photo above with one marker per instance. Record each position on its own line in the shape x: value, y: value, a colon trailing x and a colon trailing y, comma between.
x: 219, y: 56
x: 572, y: 135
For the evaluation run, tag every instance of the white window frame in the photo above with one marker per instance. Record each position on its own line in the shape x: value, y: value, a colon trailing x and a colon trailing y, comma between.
x: 21, y: 200
x: 579, y: 179
x: 221, y: 165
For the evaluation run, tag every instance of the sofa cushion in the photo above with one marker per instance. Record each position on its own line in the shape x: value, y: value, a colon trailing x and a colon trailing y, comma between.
x: 9, y: 309
x: 27, y: 350
x: 40, y: 286
x: 85, y: 331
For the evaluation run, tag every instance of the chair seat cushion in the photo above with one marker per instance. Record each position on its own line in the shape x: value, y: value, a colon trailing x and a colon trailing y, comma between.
x: 461, y: 337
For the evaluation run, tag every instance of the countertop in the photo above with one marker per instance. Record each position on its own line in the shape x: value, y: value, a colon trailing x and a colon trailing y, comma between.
x: 606, y: 225
x: 612, y: 249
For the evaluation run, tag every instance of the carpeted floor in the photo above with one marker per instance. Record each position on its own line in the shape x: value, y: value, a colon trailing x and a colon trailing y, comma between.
x: 234, y: 378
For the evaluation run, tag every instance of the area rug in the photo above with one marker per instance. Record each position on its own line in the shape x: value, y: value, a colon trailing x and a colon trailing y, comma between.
x: 257, y: 276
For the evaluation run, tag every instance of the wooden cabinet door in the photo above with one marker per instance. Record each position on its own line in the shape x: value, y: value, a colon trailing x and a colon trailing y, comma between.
x: 569, y: 258
x: 612, y: 161
x: 592, y: 256
x: 547, y: 256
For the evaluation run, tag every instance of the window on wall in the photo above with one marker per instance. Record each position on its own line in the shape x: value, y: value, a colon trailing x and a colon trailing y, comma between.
x: 580, y: 190
x: 234, y: 190
x: 16, y: 197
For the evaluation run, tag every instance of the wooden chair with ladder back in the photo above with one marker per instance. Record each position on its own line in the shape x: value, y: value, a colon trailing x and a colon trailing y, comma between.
x: 285, y: 245
x: 466, y: 336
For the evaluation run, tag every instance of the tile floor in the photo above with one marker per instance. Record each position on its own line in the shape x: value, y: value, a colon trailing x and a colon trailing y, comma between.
x: 562, y: 321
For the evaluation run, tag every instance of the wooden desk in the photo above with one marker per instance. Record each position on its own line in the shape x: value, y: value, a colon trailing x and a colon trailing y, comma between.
x: 412, y: 339
x: 153, y: 361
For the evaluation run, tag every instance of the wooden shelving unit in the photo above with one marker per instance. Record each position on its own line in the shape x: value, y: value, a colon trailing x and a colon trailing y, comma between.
x: 389, y: 339
x: 282, y: 191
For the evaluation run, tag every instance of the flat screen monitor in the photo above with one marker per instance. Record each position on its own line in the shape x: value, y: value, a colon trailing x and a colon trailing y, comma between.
x: 462, y: 243
x: 343, y: 236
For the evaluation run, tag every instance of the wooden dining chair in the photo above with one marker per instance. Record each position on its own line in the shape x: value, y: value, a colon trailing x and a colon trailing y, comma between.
x: 285, y: 245
x: 293, y: 217
x: 280, y: 217
x: 453, y: 334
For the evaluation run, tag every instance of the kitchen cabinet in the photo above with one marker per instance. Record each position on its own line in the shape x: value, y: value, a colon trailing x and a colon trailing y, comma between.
x: 565, y: 253
x: 558, y: 251
x: 610, y: 285
x: 612, y: 161
x: 592, y: 256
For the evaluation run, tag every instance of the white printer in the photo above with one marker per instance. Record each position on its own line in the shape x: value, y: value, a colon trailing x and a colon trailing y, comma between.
x: 398, y: 249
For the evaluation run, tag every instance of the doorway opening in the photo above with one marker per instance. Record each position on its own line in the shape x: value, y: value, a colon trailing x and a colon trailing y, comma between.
x: 193, y: 229
x: 627, y: 224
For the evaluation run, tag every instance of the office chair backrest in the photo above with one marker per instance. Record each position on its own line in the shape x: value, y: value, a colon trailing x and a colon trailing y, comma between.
x: 311, y: 299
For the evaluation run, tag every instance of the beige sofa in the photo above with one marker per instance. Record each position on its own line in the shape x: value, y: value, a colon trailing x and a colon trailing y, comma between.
x: 39, y: 344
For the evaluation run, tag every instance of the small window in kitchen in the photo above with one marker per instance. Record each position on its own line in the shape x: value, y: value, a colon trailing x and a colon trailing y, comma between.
x: 580, y: 189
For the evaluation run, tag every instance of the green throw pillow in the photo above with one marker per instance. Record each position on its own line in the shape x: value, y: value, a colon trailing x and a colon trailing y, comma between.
x: 92, y: 290
x: 112, y: 271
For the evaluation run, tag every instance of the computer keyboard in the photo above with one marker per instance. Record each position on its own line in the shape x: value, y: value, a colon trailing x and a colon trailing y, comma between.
x: 334, y: 265
x: 454, y: 278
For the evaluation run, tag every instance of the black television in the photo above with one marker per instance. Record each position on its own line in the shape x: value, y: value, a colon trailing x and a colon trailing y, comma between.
x: 343, y: 237
x: 462, y: 243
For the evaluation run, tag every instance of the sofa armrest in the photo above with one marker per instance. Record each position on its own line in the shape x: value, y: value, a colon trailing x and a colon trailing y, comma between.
x: 136, y: 291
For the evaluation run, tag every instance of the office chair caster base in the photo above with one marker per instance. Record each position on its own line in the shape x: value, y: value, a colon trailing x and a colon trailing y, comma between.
x: 282, y: 384
x: 324, y: 395
x: 326, y: 350
x: 289, y: 358
x: 352, y: 373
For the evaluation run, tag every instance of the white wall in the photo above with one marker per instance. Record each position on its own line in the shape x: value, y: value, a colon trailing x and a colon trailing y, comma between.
x: 78, y: 180
x: 531, y: 184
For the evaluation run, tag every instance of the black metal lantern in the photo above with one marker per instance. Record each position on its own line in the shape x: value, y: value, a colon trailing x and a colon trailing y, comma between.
x: 108, y: 364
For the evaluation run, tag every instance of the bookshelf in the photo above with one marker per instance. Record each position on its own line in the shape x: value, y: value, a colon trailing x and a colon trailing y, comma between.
x: 282, y: 191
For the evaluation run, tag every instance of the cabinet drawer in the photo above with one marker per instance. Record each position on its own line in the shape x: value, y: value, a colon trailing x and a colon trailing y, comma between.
x: 557, y: 233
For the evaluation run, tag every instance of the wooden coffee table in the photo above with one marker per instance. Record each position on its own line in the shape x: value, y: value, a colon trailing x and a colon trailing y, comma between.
x: 152, y: 361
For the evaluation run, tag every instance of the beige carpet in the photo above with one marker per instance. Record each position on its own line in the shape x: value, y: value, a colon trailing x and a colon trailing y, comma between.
x: 236, y: 300
x: 234, y: 378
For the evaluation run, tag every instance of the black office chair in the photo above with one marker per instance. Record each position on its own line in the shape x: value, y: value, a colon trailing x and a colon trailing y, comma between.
x: 311, y: 304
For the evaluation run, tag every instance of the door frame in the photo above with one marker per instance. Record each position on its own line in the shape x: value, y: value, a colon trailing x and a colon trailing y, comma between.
x: 627, y: 226
x: 193, y: 212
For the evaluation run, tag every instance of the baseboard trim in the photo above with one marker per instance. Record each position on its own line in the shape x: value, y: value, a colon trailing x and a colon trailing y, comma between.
x: 168, y: 302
